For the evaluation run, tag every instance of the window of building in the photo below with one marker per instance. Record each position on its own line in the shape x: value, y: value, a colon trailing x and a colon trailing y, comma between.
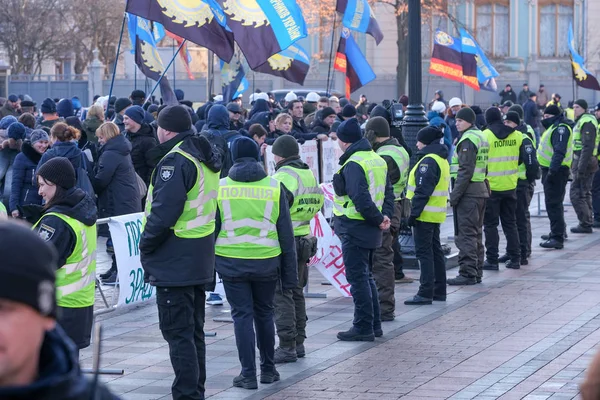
x: 492, y: 26
x: 432, y: 21
x: 554, y: 19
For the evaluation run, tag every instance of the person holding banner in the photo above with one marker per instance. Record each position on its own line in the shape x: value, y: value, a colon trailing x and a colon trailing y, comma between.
x: 68, y: 221
x: 363, y: 208
x: 306, y: 198
x: 255, y: 248
x: 177, y: 245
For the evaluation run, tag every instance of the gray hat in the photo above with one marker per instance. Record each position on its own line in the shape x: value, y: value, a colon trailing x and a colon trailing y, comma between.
x: 286, y: 146
x: 37, y: 135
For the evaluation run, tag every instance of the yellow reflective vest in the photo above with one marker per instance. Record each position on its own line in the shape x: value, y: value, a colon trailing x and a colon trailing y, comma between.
x: 435, y: 209
x: 503, y: 160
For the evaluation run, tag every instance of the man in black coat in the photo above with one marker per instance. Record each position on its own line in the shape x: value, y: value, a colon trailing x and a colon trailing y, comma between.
x: 508, y: 94
x: 181, y: 263
x: 142, y: 138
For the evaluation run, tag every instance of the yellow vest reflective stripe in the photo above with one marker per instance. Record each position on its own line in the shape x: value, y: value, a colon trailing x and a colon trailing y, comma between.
x: 503, y: 160
x: 402, y: 160
x: 523, y: 167
x: 198, y: 217
x: 3, y: 213
x: 531, y: 135
x: 375, y: 170
x: 308, y: 196
x: 435, y: 209
x: 483, y: 148
x: 76, y: 280
x: 249, y: 213
x: 546, y: 151
x: 584, y: 119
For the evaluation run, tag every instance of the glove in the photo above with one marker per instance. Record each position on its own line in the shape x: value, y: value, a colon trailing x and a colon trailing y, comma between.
x: 412, y: 221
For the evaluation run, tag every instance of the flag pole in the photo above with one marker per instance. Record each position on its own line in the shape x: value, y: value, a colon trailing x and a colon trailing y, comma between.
x: 174, y: 65
x: 331, y: 53
x: 164, y: 72
x: 112, y: 82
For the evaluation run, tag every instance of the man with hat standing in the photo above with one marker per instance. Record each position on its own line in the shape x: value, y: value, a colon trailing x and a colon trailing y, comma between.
x: 468, y: 197
x: 49, y: 116
x: 306, y: 199
x: 363, y: 208
x: 177, y: 243
x: 427, y: 189
x: 121, y: 105
x: 555, y: 155
x: 142, y: 138
x: 11, y: 107
x: 377, y: 132
x: 236, y: 122
x: 37, y: 359
x: 584, y: 166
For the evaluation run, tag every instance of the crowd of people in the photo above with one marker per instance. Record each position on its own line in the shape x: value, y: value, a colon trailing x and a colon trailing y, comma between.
x: 210, y: 206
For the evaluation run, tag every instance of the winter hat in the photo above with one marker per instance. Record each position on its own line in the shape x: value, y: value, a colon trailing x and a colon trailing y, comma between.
x: 344, y: 102
x: 76, y: 102
x: 48, y: 106
x: 286, y: 146
x: 466, y: 114
x: 64, y: 108
x: 37, y: 135
x: 234, y: 108
x: 218, y: 98
x: 28, y: 267
x: 291, y: 96
x: 179, y: 94
x: 581, y: 103
x: 349, y: 111
x: 16, y: 131
x: 349, y: 131
x: 438, y: 107
x: 552, y: 110
x: 429, y: 135
x: 597, y: 107
x: 136, y: 113
x: 121, y: 104
x: 13, y: 97
x: 513, y: 116
x: 326, y: 112
x: 174, y: 119
x: 7, y: 121
x: 518, y: 109
x: 455, y: 101
x: 507, y: 103
x: 379, y: 125
x: 492, y: 114
x: 152, y: 108
x: 59, y: 171
x: 477, y: 110
x: 244, y: 147
x: 138, y: 95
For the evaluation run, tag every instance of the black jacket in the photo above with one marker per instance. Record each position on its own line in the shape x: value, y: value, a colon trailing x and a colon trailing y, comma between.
x: 352, y: 182
x: 502, y: 131
x: 59, y: 375
x: 427, y: 177
x: 24, y: 189
x: 394, y: 172
x: 530, y: 154
x: 142, y: 141
x: 114, y: 180
x: 318, y: 126
x: 560, y: 138
x: 299, y: 128
x: 380, y: 111
x: 531, y: 113
x: 167, y: 259
x: 506, y: 96
x: 284, y: 266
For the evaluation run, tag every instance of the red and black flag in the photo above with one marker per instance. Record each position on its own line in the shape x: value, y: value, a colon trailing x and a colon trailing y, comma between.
x: 353, y: 63
x: 447, y: 60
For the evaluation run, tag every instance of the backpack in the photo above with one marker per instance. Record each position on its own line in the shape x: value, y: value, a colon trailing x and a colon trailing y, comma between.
x: 83, y: 180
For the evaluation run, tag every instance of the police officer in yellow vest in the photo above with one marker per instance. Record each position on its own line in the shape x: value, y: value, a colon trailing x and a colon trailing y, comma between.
x: 525, y: 185
x: 596, y: 180
x: 555, y: 155
x: 363, y: 208
x: 306, y: 198
x: 585, y: 165
x: 69, y: 223
x: 255, y: 248
x: 428, y: 185
x: 177, y: 244
x: 377, y: 132
x: 468, y: 197
x: 507, y: 151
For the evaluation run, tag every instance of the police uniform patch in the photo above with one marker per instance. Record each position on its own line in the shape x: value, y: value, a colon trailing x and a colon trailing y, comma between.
x: 46, y: 232
x: 423, y: 168
x: 166, y: 172
x: 46, y: 297
x: 561, y: 130
x: 529, y: 149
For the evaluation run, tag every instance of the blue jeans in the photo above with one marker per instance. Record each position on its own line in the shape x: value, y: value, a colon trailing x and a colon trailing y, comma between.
x: 359, y: 273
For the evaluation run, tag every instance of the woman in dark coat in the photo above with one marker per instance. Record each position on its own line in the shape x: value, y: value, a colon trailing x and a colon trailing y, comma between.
x: 114, y: 180
x: 24, y: 185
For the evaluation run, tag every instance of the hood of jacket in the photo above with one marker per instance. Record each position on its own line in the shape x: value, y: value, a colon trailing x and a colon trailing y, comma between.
x: 318, y: 121
x: 218, y: 118
x: 68, y: 150
x: 59, y: 376
x: 145, y: 130
x: 247, y: 170
x: 192, y: 144
x: 202, y: 111
x: 261, y: 118
x: 362, y: 145
x: 434, y: 148
x: 294, y: 161
x: 260, y: 105
x: 433, y: 114
x: 500, y: 130
x: 77, y: 204
x: 380, y: 111
x: 389, y: 142
x: 29, y: 152
x: 118, y: 144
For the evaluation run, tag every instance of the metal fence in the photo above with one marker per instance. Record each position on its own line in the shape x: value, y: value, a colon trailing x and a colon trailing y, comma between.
x: 40, y: 87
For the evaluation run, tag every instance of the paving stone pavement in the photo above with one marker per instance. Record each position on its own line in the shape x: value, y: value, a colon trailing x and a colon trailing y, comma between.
x: 521, y: 334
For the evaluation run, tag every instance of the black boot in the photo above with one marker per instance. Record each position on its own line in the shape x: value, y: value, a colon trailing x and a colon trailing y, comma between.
x: 353, y: 335
x: 418, y: 300
x: 490, y: 266
x: 269, y: 377
x: 513, y: 265
x: 461, y: 280
x: 246, y: 382
x: 552, y: 244
x: 581, y: 229
x: 504, y: 258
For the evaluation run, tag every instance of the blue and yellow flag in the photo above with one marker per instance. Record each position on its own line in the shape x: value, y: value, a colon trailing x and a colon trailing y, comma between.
x: 291, y: 64
x: 350, y: 60
x: 142, y: 40
x: 232, y: 77
x: 485, y: 70
x: 582, y: 76
x: 262, y: 28
x: 359, y: 17
x: 201, y: 22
